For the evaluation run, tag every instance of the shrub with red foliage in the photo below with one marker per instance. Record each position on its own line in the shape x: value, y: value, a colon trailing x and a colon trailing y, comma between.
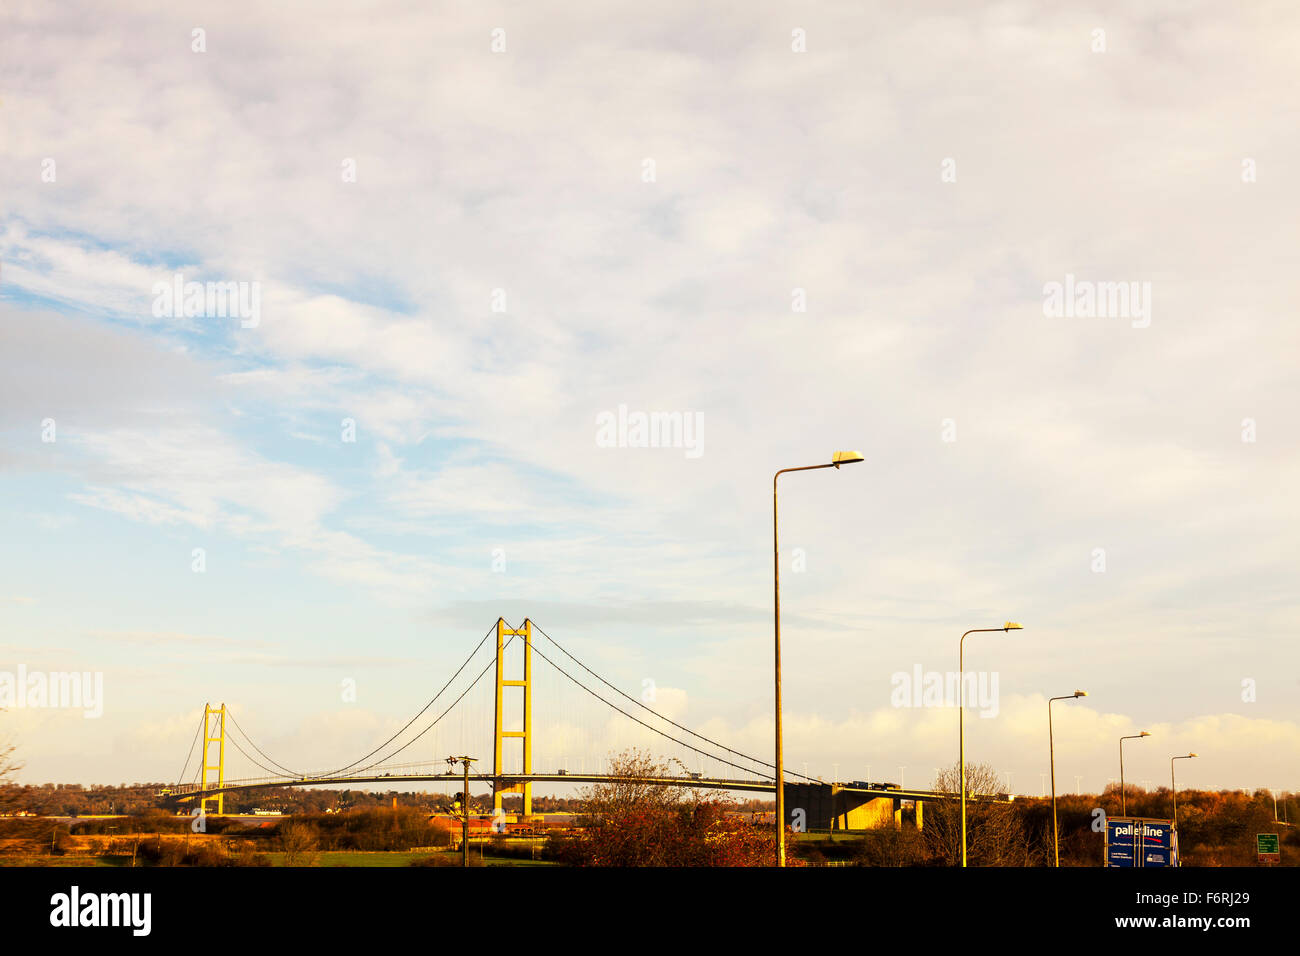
x: 632, y: 822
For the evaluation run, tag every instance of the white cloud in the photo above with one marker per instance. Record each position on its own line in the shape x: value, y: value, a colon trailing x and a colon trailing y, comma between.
x: 774, y: 171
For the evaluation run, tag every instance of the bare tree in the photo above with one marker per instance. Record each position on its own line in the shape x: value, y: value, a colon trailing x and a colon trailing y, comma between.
x: 995, y: 834
x: 299, y: 842
x: 631, y: 787
x: 9, y: 794
x: 635, y: 820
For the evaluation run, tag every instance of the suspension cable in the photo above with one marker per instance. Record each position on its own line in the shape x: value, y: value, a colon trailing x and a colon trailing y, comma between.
x: 332, y: 773
x: 764, y: 763
x: 436, y: 719
x: 235, y: 743
x: 249, y: 740
x: 638, y: 720
x: 356, y: 770
x: 197, y: 730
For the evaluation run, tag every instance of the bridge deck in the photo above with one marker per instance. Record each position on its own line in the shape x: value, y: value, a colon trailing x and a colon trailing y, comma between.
x: 189, y: 792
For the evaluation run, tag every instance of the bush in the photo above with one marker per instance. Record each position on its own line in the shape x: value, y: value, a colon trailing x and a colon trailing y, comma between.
x: 299, y: 840
x: 207, y: 854
x: 248, y: 856
x: 159, y: 852
x: 61, y: 842
x: 889, y: 847
x: 374, y: 830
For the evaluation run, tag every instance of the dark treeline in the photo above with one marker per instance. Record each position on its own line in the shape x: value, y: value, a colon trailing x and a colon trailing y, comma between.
x: 405, y: 828
x: 1215, y: 828
x: 73, y: 800
x: 163, y: 838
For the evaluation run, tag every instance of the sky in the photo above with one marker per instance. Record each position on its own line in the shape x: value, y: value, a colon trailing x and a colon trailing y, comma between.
x: 469, y: 234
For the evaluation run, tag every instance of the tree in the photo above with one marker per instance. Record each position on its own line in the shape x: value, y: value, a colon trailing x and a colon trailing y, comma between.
x: 634, y: 821
x: 995, y: 833
x: 10, y: 795
x: 632, y: 788
x: 299, y: 841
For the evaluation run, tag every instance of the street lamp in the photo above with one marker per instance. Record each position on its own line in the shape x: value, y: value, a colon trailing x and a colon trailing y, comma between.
x: 1123, y: 797
x: 839, y: 458
x: 961, y: 717
x: 1051, y: 753
x: 1173, y: 787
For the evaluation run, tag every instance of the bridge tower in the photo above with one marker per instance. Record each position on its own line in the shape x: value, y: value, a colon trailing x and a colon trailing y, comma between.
x: 214, y: 732
x: 499, y: 733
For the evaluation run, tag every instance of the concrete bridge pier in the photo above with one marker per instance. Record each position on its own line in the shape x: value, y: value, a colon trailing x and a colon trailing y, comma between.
x: 826, y: 806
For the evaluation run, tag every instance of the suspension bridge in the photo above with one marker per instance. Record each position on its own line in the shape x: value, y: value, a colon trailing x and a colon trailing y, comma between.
x: 472, y: 715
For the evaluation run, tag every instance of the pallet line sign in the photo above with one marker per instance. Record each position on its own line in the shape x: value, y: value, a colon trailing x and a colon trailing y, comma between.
x: 1140, y: 842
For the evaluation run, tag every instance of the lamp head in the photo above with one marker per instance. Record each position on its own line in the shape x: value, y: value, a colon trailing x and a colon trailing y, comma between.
x: 1144, y: 734
x: 845, y: 458
x: 1193, y: 755
x: 1012, y: 626
x: 1080, y: 693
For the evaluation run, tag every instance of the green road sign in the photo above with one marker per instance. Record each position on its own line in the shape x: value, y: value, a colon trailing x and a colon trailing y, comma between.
x: 1268, y: 846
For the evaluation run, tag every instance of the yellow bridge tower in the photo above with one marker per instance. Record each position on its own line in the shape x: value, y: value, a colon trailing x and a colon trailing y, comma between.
x: 214, y: 719
x: 499, y: 733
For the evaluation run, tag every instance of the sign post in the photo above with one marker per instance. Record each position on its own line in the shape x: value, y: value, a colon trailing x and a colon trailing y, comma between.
x: 1268, y: 848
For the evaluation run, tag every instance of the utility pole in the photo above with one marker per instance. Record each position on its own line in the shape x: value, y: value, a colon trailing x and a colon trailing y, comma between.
x: 464, y: 833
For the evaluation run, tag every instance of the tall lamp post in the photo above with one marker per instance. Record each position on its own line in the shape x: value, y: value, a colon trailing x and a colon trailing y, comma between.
x: 961, y: 717
x: 1051, y: 752
x: 839, y: 458
x: 1123, y: 797
x: 1173, y: 787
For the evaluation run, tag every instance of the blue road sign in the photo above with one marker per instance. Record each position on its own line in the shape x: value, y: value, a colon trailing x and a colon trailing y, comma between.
x: 1140, y: 842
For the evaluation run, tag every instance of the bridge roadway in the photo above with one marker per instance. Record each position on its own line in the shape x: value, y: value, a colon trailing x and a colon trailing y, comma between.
x: 189, y: 792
